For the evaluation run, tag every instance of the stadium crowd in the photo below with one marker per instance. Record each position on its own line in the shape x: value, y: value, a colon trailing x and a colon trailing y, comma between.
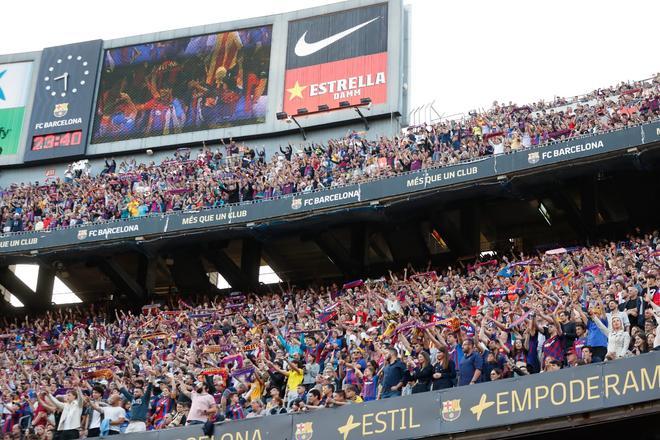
x: 93, y: 370
x: 238, y: 173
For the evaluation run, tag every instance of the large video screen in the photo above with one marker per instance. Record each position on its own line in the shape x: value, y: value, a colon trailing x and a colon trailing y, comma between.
x: 182, y: 85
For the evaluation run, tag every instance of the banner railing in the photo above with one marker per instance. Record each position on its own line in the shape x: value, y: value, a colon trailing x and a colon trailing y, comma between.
x: 470, y: 408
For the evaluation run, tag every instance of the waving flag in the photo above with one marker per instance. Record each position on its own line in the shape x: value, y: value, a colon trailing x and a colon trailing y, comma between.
x: 505, y: 272
x: 331, y: 307
x: 451, y: 323
x: 327, y: 316
x: 352, y: 284
x: 482, y: 263
x: 594, y: 269
x: 529, y: 262
x: 468, y: 329
x: 495, y: 293
x: 563, y: 250
x: 431, y: 274
x: 184, y: 304
x: 389, y: 331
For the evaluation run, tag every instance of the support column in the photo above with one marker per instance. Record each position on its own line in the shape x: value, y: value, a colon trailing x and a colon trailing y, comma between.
x: 589, y: 211
x: 358, y: 251
x: 471, y: 228
x: 450, y: 232
x: 45, y: 283
x: 121, y: 279
x: 250, y: 262
x: 147, y: 274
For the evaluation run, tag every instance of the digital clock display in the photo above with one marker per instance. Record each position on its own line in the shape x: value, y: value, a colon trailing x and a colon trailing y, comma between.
x: 62, y: 105
x: 66, y: 139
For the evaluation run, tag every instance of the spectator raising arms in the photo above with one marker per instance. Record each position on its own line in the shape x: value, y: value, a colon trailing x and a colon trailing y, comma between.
x: 93, y: 370
x: 240, y: 173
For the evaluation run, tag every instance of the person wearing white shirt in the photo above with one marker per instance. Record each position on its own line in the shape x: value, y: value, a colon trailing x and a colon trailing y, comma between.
x: 498, y: 145
x: 72, y: 409
x: 94, y: 428
x: 618, y: 339
x: 615, y: 313
x: 114, y: 414
x: 656, y: 316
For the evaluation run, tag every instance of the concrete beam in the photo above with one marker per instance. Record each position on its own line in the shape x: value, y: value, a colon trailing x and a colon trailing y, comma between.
x: 406, y: 243
x: 336, y: 254
x: 228, y: 269
x: 24, y: 294
x: 121, y: 279
x: 250, y: 262
x: 45, y: 283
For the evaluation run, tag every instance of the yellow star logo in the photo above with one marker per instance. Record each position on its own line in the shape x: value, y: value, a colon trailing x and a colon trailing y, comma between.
x: 483, y: 405
x: 296, y: 91
x: 348, y: 427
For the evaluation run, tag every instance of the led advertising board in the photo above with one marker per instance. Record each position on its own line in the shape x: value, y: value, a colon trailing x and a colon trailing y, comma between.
x: 183, y: 85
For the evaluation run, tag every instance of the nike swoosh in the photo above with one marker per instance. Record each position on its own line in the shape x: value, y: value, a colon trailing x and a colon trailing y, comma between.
x: 304, y: 48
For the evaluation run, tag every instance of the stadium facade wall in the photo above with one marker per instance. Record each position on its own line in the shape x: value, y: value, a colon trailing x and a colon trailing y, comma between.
x: 463, y: 409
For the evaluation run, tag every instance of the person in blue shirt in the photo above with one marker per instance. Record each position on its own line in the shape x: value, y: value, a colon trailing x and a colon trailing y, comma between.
x: 454, y: 349
x: 143, y: 210
x: 140, y: 400
x: 596, y: 340
x: 394, y: 375
x: 290, y: 346
x: 470, y: 367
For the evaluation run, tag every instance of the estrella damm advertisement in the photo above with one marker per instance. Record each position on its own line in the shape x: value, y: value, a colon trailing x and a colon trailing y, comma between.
x: 337, y: 57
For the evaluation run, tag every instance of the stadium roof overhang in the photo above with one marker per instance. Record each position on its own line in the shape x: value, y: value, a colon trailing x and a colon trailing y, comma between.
x: 368, y: 237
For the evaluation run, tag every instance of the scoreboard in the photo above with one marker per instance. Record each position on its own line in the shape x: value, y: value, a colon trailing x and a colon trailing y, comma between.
x: 63, y: 100
x: 199, y: 84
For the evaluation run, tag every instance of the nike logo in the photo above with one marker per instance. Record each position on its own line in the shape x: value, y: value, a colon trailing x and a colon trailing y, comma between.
x: 303, y: 48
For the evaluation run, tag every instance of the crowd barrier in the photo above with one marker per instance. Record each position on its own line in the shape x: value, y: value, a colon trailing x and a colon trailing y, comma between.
x: 339, y: 197
x: 470, y: 408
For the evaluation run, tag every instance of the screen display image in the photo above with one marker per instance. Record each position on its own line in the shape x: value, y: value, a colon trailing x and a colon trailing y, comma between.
x: 183, y: 85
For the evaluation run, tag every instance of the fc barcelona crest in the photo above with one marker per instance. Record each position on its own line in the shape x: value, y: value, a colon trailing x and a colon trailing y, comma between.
x: 304, y: 431
x: 451, y: 410
x: 296, y: 203
x: 61, y: 109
